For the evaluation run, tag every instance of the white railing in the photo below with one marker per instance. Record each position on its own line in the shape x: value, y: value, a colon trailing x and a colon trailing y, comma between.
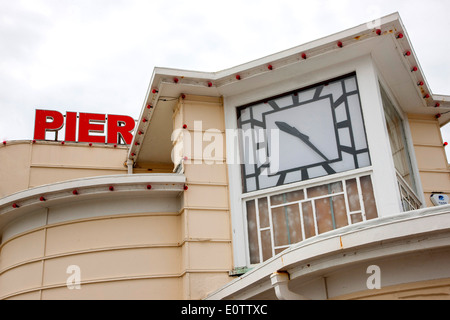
x: 409, y: 199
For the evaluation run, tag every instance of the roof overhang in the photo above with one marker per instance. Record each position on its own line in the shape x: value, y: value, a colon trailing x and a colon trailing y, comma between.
x: 388, y: 45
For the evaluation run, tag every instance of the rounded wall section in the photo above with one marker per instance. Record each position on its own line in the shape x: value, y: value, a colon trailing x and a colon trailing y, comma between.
x: 122, y: 244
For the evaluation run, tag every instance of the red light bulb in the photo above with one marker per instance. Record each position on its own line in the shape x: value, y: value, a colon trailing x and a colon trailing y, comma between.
x: 400, y: 36
x: 238, y: 77
x: 111, y: 188
x: 175, y: 80
x: 414, y: 69
x: 210, y: 84
x: 42, y: 199
x: 304, y: 56
x: 340, y: 44
x: 407, y: 53
x: 378, y: 31
x: 75, y: 192
x: 270, y: 67
x: 149, y: 187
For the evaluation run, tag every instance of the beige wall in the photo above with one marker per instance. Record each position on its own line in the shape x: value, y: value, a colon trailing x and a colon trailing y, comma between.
x: 120, y: 257
x: 206, y: 216
x: 423, y: 290
x: 430, y: 154
x: 26, y: 165
x: 143, y: 252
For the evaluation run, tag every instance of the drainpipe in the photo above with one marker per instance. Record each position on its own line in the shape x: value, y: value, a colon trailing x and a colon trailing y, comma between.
x: 130, y: 165
x: 280, y: 282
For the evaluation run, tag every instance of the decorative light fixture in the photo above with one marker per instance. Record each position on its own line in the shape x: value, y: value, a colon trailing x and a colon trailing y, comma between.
x: 175, y: 80
x: 155, y: 91
x: 149, y: 106
x: 437, y: 105
x: 238, y: 77
x: 144, y: 120
x: 75, y: 192
x: 445, y: 144
x: 42, y: 199
x: 186, y: 188
x: 90, y: 144
x: 379, y: 32
x: 111, y: 188
x: 304, y: 56
x: 210, y: 84
x: 185, y: 126
x: 63, y: 143
x: 407, y: 53
x: 15, y: 206
x: 340, y: 44
x: 414, y: 69
x: 426, y: 96
x: 183, y: 96
x: 149, y: 187
x: 438, y: 116
x: 270, y: 67
x: 4, y: 143
x: 400, y: 36
x: 420, y: 83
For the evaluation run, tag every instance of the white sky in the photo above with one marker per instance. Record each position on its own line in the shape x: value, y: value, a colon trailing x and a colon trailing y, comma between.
x: 98, y: 55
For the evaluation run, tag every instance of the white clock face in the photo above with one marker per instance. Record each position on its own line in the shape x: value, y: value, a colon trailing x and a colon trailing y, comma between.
x: 303, y: 135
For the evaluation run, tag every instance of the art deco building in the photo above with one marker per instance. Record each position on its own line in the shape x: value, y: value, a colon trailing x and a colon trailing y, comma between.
x: 318, y: 172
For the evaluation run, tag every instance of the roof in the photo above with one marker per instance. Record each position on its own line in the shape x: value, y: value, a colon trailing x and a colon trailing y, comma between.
x: 388, y: 45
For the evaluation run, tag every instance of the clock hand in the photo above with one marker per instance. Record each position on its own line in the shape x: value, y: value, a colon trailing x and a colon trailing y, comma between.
x: 283, y: 126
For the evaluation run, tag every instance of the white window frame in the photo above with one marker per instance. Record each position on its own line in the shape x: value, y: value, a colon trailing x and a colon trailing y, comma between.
x: 384, y: 180
x: 418, y: 194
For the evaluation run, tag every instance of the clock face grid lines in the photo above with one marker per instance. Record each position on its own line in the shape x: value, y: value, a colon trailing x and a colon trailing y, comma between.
x: 331, y: 111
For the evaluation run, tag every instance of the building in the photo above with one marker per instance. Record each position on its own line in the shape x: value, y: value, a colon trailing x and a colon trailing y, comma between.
x: 315, y: 173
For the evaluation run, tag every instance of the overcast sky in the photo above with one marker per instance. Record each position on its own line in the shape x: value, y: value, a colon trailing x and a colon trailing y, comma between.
x: 98, y: 55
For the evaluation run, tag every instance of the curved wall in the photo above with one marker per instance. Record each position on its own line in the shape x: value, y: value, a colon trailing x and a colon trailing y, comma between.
x: 127, y: 244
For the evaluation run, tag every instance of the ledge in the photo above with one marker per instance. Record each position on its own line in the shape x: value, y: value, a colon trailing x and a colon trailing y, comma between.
x: 21, y: 203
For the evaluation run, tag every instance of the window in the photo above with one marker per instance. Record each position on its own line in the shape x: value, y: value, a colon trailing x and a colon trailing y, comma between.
x: 300, y: 154
x: 400, y: 155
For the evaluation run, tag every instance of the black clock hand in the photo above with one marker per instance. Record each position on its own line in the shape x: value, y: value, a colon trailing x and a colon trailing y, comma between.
x: 283, y: 126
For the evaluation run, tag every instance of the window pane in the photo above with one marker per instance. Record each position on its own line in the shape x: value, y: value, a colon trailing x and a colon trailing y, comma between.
x: 252, y: 227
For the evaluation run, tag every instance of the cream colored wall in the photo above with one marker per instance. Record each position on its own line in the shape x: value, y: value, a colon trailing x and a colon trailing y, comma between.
x: 206, y: 217
x: 422, y: 290
x: 26, y: 165
x: 130, y: 256
x: 430, y: 154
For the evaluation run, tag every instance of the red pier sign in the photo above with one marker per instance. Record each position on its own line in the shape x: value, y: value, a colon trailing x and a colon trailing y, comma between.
x: 91, y: 127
